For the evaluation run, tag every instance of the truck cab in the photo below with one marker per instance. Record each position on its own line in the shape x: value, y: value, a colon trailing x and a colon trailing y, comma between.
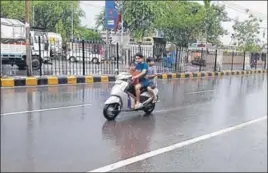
x: 13, y: 44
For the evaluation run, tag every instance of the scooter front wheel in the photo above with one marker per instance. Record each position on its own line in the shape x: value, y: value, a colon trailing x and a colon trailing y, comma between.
x: 110, y: 111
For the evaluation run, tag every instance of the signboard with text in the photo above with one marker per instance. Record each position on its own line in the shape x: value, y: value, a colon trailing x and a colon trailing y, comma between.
x: 110, y: 15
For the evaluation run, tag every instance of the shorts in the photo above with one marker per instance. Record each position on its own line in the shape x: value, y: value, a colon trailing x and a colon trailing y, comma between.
x: 145, y: 83
x: 151, y: 84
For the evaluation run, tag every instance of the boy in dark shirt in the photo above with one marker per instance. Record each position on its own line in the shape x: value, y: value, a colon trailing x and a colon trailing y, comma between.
x: 142, y: 68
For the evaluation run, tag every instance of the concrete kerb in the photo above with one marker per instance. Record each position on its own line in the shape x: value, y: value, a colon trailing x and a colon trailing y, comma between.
x: 72, y: 80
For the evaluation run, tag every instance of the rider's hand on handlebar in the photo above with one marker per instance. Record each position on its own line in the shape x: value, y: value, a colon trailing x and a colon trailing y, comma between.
x: 134, y: 77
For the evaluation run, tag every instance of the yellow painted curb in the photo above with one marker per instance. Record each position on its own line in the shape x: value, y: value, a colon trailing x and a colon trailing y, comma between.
x: 89, y: 79
x: 31, y: 81
x: 71, y: 80
x: 104, y: 79
x: 7, y: 82
x: 164, y: 76
x: 52, y: 80
x: 173, y: 75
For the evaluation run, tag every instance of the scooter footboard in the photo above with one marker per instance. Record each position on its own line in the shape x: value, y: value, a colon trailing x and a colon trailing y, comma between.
x: 113, y: 99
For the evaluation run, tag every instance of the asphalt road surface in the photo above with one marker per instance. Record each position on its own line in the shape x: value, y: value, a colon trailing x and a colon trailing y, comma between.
x: 217, y: 124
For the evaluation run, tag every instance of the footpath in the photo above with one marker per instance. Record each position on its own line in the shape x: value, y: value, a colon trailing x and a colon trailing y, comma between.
x: 73, y: 80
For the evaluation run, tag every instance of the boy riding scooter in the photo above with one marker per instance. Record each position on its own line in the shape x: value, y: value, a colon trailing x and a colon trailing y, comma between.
x: 142, y: 67
x: 124, y: 87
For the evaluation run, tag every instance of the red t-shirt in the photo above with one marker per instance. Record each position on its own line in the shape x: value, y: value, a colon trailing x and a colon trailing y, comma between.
x: 135, y: 73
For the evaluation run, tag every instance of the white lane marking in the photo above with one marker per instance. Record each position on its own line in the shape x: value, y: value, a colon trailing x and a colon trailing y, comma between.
x: 150, y: 154
x: 196, y: 92
x: 48, y: 109
x: 75, y: 106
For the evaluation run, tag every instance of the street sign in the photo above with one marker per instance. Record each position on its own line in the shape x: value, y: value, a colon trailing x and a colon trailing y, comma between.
x: 110, y: 14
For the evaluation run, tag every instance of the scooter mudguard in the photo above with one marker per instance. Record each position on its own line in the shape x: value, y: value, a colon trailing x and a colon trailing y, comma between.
x: 112, y: 100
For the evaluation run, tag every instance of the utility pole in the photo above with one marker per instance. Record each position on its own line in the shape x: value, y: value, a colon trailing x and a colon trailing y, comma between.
x: 27, y: 29
x: 265, y: 49
x: 122, y: 27
x: 33, y: 15
x: 122, y: 24
x: 72, y: 25
x: 107, y: 44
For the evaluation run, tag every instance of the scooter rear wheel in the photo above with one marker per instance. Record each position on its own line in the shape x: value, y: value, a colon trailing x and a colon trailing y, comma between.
x: 149, y: 108
x: 111, y: 111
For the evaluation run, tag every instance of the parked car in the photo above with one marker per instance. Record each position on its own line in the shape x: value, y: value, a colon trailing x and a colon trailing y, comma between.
x: 198, y: 61
x: 77, y: 55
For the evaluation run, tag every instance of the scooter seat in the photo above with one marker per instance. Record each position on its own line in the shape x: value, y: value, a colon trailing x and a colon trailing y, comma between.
x: 131, y: 90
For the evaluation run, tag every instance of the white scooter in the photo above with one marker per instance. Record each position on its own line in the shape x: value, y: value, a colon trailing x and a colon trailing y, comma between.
x: 123, y: 90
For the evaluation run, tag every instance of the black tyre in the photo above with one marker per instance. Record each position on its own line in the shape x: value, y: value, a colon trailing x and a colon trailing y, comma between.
x: 36, y: 63
x: 21, y: 66
x: 95, y: 60
x: 113, y: 59
x: 72, y: 59
x: 149, y: 108
x: 111, y: 111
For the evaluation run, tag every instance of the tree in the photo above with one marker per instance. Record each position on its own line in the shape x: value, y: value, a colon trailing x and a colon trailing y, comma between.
x: 180, y: 21
x: 138, y: 16
x: 246, y: 34
x: 54, y: 16
x: 215, y: 15
x: 87, y: 34
x: 100, y: 20
x: 183, y: 22
x: 12, y: 9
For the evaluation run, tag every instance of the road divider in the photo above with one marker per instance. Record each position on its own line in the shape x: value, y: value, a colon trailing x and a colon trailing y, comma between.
x: 72, y: 80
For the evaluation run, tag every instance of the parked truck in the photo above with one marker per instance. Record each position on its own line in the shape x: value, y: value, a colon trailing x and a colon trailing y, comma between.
x: 13, y: 44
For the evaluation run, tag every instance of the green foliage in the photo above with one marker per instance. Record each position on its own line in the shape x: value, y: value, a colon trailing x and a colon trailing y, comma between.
x: 185, y: 21
x: 87, y: 34
x: 180, y: 21
x: 246, y: 34
x: 140, y: 16
x: 12, y: 9
x: 216, y: 14
x: 100, y: 20
x: 54, y: 16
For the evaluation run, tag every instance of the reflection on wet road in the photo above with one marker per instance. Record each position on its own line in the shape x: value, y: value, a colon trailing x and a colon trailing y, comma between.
x: 62, y: 128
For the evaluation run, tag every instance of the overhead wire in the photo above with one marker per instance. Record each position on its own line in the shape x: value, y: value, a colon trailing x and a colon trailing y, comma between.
x: 243, y: 10
x: 91, y: 5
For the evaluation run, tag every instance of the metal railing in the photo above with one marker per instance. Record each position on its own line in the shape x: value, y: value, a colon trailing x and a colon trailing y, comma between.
x: 96, y: 58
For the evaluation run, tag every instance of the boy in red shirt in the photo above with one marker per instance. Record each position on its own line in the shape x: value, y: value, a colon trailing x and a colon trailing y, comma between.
x: 133, y: 72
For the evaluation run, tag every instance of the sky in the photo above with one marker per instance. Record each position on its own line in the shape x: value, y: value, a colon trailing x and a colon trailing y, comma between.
x: 234, y: 9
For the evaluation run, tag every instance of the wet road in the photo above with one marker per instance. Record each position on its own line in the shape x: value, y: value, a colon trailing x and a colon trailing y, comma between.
x: 62, y: 128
